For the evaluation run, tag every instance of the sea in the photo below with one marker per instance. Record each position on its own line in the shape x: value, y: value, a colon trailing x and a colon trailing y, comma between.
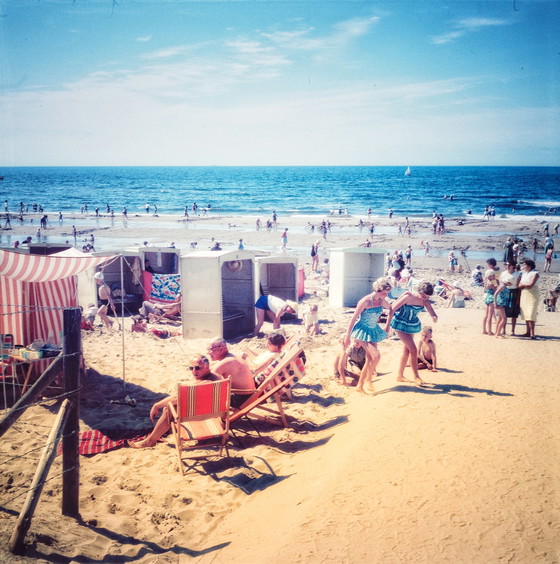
x: 310, y: 192
x: 513, y: 191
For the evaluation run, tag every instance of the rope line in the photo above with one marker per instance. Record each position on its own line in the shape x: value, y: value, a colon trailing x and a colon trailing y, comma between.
x: 44, y: 401
x: 9, y: 458
x: 40, y: 484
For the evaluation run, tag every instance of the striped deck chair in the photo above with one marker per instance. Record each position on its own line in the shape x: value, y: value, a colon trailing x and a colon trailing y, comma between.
x: 201, y: 419
x: 285, y: 369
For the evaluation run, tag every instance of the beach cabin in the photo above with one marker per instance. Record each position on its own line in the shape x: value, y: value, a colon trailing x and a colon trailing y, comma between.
x: 160, y: 272
x: 46, y: 248
x: 277, y: 276
x: 352, y: 272
x: 218, y: 294
x: 122, y: 275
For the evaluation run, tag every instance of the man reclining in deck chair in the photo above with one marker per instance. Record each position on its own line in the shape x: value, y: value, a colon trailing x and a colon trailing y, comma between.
x: 227, y: 365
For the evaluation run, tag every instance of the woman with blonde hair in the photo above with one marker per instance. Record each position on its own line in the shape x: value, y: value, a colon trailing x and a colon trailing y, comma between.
x: 363, y: 328
x: 403, y: 318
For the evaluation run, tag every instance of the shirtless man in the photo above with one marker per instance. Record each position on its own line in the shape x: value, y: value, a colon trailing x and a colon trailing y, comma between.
x: 227, y: 365
x: 200, y: 367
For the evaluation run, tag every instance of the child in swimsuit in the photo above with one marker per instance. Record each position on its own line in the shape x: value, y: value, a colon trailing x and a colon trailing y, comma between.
x: 490, y: 285
x: 403, y: 318
x: 427, y: 350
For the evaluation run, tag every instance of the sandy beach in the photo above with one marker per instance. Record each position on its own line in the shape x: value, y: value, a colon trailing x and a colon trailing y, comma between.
x: 464, y: 470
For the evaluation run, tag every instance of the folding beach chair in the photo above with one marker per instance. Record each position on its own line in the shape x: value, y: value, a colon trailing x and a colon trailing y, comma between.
x: 201, y: 419
x: 285, y: 369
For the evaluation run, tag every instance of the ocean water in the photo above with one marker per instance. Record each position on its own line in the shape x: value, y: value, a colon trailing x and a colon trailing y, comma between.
x: 306, y: 191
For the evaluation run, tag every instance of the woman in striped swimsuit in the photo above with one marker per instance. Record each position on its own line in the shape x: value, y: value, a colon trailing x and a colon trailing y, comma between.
x: 403, y: 318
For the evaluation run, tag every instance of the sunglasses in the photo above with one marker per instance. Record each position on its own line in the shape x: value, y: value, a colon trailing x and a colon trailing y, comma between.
x: 195, y: 367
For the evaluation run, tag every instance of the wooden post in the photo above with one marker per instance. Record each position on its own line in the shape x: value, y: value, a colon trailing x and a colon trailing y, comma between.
x: 72, y: 349
x: 24, y: 520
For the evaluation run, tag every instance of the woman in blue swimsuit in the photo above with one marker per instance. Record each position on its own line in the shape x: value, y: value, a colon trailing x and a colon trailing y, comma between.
x: 364, y: 329
x: 403, y: 318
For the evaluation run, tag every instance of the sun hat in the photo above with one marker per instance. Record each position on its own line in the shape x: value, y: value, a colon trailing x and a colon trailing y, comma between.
x: 293, y: 305
x: 99, y: 276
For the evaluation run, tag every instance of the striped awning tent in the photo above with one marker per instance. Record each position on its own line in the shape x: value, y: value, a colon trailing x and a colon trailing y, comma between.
x: 34, y: 290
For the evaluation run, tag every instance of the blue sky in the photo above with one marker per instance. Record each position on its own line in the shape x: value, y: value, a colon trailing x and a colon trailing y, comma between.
x: 279, y: 83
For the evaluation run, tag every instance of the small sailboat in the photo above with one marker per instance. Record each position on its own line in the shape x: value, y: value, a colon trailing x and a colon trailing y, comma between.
x: 407, y: 171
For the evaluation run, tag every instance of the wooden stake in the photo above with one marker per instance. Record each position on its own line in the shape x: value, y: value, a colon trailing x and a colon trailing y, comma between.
x: 24, y: 520
x: 70, y: 443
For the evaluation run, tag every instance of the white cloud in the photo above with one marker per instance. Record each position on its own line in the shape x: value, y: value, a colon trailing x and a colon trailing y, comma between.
x: 474, y: 24
x: 302, y: 39
x: 467, y: 25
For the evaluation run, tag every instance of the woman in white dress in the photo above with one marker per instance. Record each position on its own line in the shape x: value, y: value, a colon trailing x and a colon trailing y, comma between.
x: 529, y: 286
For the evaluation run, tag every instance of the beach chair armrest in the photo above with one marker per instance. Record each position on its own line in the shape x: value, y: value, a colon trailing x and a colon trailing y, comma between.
x: 172, y: 410
x: 244, y: 391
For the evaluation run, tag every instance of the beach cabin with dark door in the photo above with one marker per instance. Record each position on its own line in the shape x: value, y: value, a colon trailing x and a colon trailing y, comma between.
x: 276, y: 276
x: 352, y: 272
x: 218, y: 294
x: 122, y: 274
x: 46, y: 248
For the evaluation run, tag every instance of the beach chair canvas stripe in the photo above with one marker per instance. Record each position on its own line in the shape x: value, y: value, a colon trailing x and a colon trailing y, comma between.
x: 202, y: 414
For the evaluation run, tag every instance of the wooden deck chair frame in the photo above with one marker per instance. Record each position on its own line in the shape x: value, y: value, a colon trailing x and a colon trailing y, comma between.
x: 291, y: 344
x: 202, y: 414
x: 7, y: 367
x: 286, y: 370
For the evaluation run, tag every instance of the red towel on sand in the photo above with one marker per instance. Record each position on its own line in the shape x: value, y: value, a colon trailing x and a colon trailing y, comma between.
x: 94, y: 442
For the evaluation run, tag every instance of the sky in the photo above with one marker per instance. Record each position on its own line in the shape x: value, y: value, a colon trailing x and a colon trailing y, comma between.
x: 274, y: 82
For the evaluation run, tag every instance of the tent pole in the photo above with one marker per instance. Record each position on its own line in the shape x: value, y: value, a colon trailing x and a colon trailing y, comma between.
x: 122, y: 325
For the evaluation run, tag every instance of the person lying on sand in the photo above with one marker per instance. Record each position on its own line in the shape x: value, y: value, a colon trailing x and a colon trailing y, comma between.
x: 200, y: 367
x: 140, y: 325
x: 160, y: 311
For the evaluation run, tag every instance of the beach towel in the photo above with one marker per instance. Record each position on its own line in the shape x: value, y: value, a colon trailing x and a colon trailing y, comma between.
x: 165, y: 287
x: 94, y: 442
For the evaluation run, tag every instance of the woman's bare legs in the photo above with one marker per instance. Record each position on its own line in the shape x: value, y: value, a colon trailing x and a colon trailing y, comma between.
x: 501, y: 323
x: 409, y: 351
x: 530, y: 329
x: 369, y: 369
x: 488, y: 319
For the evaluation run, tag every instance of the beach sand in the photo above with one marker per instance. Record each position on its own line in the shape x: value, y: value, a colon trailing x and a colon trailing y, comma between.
x: 465, y: 470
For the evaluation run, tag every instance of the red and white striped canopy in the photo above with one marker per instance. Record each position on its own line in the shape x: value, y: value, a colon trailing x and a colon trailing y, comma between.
x: 40, y: 268
x: 34, y: 290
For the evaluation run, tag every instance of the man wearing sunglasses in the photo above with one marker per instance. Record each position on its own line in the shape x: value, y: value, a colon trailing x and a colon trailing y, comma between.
x: 200, y: 368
